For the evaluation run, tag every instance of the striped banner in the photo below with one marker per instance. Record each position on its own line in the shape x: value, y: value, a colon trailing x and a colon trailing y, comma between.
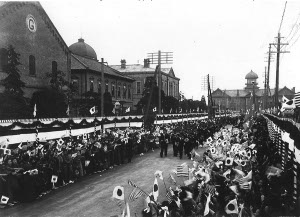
x: 297, y: 99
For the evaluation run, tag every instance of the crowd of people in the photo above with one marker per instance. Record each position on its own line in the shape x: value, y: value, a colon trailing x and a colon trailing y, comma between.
x: 239, y: 174
x: 27, y: 171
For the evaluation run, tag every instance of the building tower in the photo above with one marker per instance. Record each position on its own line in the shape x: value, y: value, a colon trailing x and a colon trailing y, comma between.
x: 251, y: 80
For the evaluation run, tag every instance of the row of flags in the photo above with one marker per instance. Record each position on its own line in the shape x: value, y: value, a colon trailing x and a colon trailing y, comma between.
x: 92, y: 110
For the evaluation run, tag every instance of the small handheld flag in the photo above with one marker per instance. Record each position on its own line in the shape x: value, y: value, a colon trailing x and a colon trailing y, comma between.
x: 54, y: 179
x: 231, y: 207
x: 127, y: 110
x: 93, y: 110
x: 68, y: 110
x: 4, y: 199
x: 34, y: 110
x: 154, y: 110
x: 155, y: 189
x: 158, y: 174
x: 118, y: 193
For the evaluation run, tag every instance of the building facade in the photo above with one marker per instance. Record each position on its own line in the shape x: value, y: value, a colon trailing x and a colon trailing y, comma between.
x: 170, y: 83
x: 86, y: 73
x: 27, y: 27
x: 242, y: 100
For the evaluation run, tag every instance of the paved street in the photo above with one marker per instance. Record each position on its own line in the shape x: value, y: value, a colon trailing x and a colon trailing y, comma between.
x: 91, y: 196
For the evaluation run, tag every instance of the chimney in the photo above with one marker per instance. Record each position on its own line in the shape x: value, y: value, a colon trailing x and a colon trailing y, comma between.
x: 146, y: 63
x: 123, y: 64
x: 293, y: 89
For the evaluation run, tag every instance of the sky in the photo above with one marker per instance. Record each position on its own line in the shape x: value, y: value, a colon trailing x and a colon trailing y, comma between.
x: 223, y: 38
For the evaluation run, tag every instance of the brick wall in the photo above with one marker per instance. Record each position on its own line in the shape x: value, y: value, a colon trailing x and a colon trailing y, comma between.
x: 44, y: 44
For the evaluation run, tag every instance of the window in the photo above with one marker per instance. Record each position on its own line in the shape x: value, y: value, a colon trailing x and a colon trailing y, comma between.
x: 129, y: 92
x: 91, y: 84
x: 138, y: 87
x: 99, y: 86
x: 113, y: 90
x: 119, y: 91
x: 54, y: 67
x: 124, y: 91
x: 3, y: 58
x: 32, y: 65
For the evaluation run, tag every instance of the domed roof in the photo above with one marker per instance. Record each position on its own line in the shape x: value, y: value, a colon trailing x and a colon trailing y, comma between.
x: 251, y: 75
x: 83, y: 49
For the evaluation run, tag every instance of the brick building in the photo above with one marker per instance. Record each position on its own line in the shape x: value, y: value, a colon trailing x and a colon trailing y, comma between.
x: 241, y: 100
x: 27, y: 27
x: 86, y: 74
x: 170, y: 83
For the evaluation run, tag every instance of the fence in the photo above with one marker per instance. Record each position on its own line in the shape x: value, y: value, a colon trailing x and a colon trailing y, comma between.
x: 286, y: 136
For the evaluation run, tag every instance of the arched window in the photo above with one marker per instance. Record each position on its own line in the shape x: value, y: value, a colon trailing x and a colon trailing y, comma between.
x: 3, y: 58
x: 32, y: 69
x: 54, y: 67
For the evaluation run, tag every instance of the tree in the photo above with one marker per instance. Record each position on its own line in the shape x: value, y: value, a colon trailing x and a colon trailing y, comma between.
x: 108, y: 105
x: 143, y: 103
x: 49, y: 103
x: 12, y: 102
x: 12, y: 82
x: 53, y: 102
x: 170, y: 103
x: 203, y: 103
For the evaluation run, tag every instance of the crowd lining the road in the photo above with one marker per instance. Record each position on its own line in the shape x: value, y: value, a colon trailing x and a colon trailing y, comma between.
x: 26, y: 173
x: 251, y: 184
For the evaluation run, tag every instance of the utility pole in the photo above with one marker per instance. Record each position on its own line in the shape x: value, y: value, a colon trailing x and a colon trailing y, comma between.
x: 265, y: 91
x: 102, y: 87
x: 268, y: 75
x: 210, y: 100
x: 278, y: 51
x: 159, y: 82
x: 278, y: 47
x: 160, y: 58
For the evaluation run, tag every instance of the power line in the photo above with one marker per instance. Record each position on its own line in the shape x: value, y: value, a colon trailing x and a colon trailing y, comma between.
x: 295, y: 24
x: 282, y: 16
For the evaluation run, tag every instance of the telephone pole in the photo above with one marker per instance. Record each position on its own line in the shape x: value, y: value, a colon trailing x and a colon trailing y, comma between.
x: 160, y: 58
x: 102, y: 87
x: 278, y: 51
x: 278, y: 47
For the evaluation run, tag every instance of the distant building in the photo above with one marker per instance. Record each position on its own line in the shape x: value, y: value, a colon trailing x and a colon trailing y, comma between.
x: 27, y: 27
x: 170, y: 83
x: 241, y: 100
x: 86, y: 74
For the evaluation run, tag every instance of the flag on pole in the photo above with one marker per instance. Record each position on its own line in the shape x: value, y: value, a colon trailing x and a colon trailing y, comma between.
x: 155, y: 189
x: 93, y: 110
x: 118, y: 193
x: 68, y: 110
x: 284, y: 99
x: 159, y: 174
x: 135, y: 194
x: 127, y: 110
x: 34, y: 110
x: 169, y: 196
x: 232, y: 207
x: 297, y: 99
x: 182, y: 171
